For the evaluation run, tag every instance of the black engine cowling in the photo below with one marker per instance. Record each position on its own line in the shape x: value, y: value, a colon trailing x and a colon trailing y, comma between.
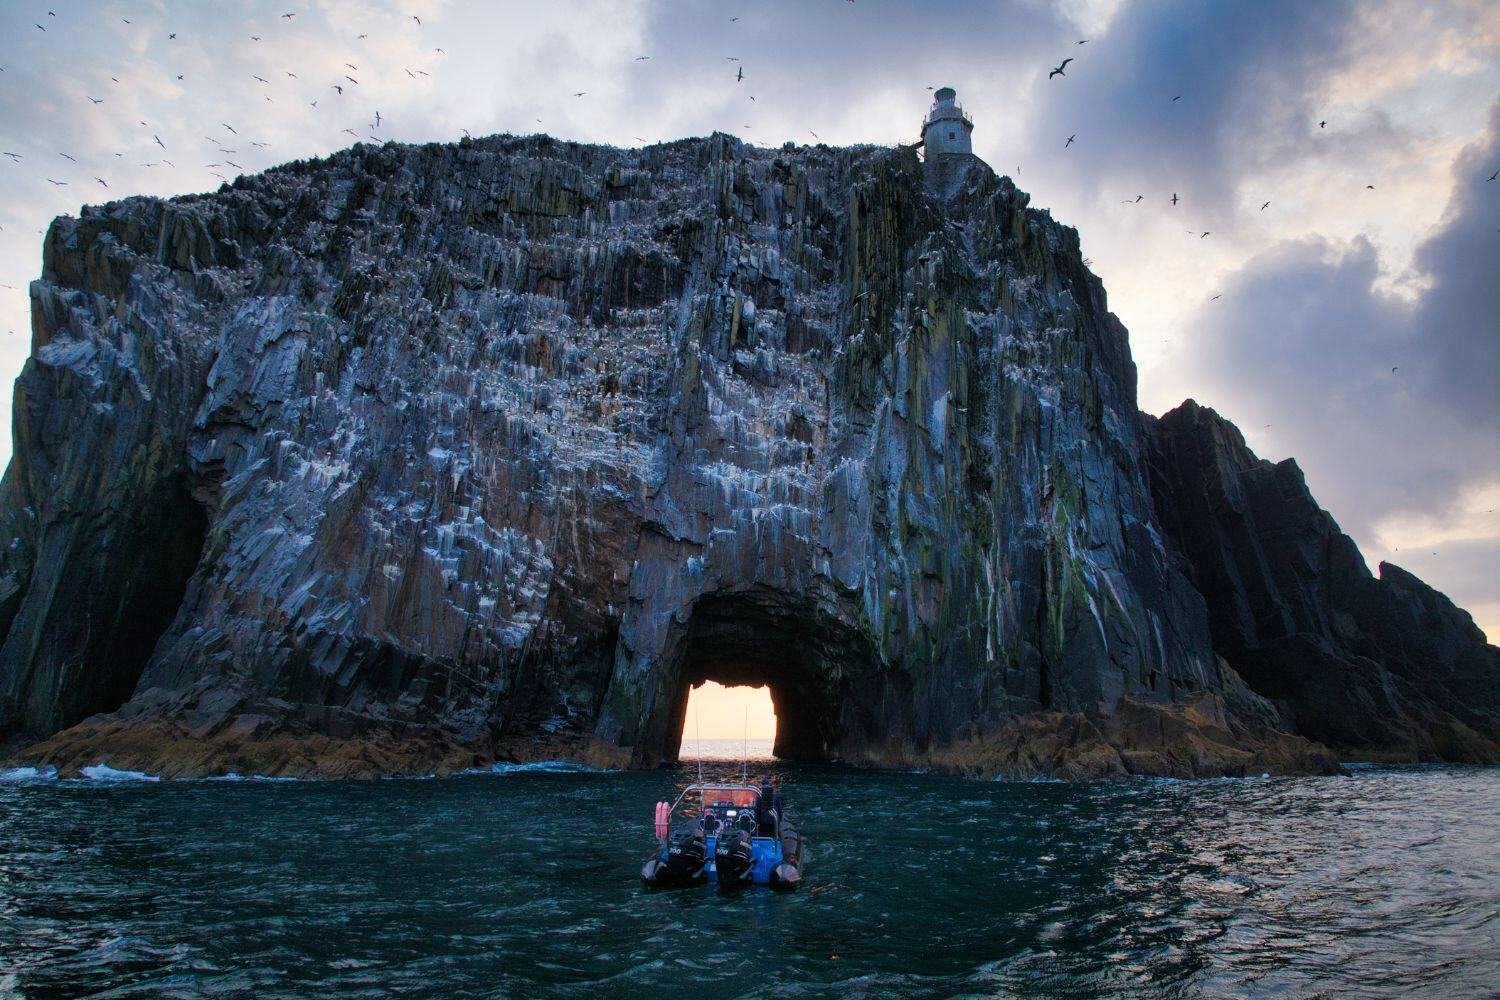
x: 683, y: 865
x: 733, y: 857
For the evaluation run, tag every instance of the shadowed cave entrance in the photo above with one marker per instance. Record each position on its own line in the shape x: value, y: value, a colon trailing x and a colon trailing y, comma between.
x: 767, y: 638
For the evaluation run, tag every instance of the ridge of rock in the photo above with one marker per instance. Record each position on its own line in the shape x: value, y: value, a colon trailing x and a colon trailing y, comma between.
x: 1372, y: 666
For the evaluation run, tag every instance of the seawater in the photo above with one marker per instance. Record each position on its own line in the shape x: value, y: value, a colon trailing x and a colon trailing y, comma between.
x: 523, y: 881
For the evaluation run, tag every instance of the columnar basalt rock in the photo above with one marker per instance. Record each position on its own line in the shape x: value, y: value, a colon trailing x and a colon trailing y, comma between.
x: 495, y: 447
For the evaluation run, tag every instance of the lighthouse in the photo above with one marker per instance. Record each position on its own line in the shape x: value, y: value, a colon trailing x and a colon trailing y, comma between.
x: 946, y: 128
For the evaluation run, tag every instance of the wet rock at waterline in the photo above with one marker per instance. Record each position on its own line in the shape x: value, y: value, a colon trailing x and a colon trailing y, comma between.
x: 417, y: 456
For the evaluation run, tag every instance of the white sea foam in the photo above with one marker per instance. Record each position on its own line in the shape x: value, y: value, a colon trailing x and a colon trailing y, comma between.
x: 103, y: 772
x: 552, y: 766
x: 17, y: 775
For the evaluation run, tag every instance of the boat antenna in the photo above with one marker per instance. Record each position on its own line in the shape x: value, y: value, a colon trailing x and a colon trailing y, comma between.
x: 745, y: 749
x: 698, y: 739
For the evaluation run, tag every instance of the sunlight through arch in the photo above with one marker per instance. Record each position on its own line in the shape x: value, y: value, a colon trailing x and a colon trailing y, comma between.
x: 725, y: 717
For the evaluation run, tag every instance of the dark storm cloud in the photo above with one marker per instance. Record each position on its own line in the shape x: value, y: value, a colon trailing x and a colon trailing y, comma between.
x: 1304, y: 339
x: 1243, y: 72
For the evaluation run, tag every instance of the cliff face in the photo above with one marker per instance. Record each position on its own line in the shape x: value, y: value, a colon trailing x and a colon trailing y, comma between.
x: 458, y: 447
x: 1381, y: 666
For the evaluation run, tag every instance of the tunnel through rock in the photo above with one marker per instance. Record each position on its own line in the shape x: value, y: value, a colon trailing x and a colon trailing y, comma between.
x: 762, y: 637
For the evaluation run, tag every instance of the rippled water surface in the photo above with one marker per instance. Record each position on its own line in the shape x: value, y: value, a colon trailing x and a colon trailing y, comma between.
x: 1386, y: 882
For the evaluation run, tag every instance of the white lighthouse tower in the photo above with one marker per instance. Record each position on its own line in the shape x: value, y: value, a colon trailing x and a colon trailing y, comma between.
x: 946, y: 128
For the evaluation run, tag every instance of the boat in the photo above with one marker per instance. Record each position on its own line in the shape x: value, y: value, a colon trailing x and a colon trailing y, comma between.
x: 732, y: 835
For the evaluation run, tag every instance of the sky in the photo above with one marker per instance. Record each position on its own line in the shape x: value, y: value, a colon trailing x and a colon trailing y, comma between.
x: 1344, y: 308
x: 719, y: 712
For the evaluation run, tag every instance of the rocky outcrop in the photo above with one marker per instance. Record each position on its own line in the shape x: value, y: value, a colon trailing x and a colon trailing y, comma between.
x: 499, y: 445
x: 1383, y: 667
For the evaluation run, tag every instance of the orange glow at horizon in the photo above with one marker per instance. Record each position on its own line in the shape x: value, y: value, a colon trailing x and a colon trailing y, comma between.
x: 716, y: 712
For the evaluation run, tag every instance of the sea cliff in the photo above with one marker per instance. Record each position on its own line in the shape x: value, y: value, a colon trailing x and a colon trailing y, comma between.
x: 415, y: 457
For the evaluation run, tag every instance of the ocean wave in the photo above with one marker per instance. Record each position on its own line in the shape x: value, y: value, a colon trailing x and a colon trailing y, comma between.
x: 548, y: 766
x: 103, y: 772
x: 19, y: 775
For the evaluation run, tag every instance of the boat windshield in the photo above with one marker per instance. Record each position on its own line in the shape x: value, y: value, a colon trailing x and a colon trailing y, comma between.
x: 697, y: 798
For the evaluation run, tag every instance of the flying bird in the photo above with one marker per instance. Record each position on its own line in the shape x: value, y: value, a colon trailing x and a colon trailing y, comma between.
x: 158, y: 141
x: 641, y: 58
x: 1177, y: 98
x: 416, y: 18
x: 1369, y: 187
x: 358, y: 37
x: 740, y: 75
x: 1219, y: 296
x: 1083, y: 41
x: 1492, y: 176
x: 171, y: 36
x: 350, y: 79
x: 255, y: 38
x: 261, y: 79
x: 1395, y: 369
x: 1070, y: 140
x: 288, y: 16
x: 1174, y: 197
x: 1204, y: 234
x: 67, y: 157
x: 338, y: 87
x: 290, y: 73
x: 1059, y: 70
x: 58, y: 183
x: 352, y: 66
x: 40, y: 28
x: 101, y: 181
x: 13, y: 156
x: 1265, y: 206
x: 580, y: 93
x: 96, y: 100
x: 1323, y: 123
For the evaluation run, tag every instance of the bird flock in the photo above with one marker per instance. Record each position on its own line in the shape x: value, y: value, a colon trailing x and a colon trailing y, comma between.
x: 1059, y: 70
x: 335, y: 87
x: 308, y: 85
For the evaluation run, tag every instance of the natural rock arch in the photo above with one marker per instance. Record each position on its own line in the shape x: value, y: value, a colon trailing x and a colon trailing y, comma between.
x: 817, y: 665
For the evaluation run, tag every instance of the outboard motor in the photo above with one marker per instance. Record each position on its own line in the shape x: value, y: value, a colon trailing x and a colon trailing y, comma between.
x: 683, y: 865
x: 733, y: 857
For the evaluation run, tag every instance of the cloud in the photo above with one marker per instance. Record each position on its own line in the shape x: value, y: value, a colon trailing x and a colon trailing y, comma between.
x: 1390, y: 402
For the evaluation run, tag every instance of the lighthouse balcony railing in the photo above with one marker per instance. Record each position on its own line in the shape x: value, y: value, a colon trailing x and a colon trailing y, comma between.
x: 947, y: 112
